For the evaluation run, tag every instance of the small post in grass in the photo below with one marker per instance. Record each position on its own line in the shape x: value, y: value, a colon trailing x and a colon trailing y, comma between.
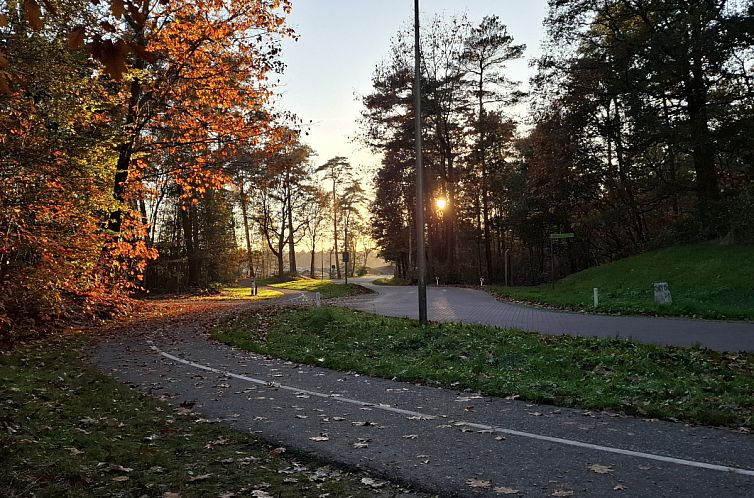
x: 596, y: 297
x: 481, y: 281
x: 317, y: 299
x: 437, y: 281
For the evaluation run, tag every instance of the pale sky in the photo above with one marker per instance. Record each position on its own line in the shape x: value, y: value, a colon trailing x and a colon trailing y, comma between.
x: 341, y: 42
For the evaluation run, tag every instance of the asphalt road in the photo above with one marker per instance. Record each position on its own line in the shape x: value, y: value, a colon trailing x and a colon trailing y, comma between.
x: 455, y: 304
x: 442, y: 441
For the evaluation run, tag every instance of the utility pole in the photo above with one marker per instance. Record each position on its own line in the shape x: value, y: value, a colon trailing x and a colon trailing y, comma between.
x: 420, y: 249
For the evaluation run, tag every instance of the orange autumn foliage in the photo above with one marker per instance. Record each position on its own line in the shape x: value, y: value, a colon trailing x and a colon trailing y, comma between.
x: 165, y: 89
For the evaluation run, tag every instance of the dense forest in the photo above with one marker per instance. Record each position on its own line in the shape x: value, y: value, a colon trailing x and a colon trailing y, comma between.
x: 638, y: 133
x: 143, y: 148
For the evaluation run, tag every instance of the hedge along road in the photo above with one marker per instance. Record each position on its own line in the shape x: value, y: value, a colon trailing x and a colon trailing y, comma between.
x: 456, y: 304
x: 442, y: 441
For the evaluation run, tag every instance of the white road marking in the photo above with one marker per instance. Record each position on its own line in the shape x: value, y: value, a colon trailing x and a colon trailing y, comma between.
x: 512, y: 432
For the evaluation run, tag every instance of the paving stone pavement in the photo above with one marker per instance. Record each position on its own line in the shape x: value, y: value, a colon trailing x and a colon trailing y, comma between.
x: 456, y: 304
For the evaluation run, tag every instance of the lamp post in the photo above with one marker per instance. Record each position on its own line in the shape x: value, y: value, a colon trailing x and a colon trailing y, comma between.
x: 420, y: 257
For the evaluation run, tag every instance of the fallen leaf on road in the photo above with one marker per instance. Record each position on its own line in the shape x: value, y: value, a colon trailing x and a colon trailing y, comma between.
x: 600, y: 469
x: 338, y: 419
x: 562, y: 492
x: 478, y: 484
x: 620, y: 487
x: 368, y: 481
x: 320, y: 438
x: 410, y: 436
x: 499, y: 438
x: 505, y: 491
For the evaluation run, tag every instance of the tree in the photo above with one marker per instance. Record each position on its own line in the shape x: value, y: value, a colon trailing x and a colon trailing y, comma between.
x: 487, y: 49
x: 337, y: 171
x: 317, y: 207
x: 284, y: 188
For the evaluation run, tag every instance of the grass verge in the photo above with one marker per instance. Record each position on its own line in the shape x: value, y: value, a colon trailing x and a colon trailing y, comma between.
x: 66, y: 430
x: 391, y: 281
x: 706, y: 281
x: 692, y: 385
x: 327, y: 288
x: 244, y: 293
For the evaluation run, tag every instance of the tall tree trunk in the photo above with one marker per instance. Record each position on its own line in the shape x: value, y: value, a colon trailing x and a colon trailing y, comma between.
x: 485, y: 181
x: 126, y: 149
x: 335, y: 226
x: 247, y: 233
x: 703, y: 148
x: 671, y: 151
x: 291, y: 246
x: 188, y: 220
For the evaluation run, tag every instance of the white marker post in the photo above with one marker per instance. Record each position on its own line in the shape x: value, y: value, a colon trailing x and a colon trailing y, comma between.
x: 317, y: 299
x: 596, y: 297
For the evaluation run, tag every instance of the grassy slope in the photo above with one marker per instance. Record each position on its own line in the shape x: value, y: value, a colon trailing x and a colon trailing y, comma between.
x: 708, y: 281
x: 688, y: 384
x: 66, y: 430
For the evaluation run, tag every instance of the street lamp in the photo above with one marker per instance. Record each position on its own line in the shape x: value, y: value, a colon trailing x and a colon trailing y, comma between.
x: 441, y: 203
x: 420, y: 258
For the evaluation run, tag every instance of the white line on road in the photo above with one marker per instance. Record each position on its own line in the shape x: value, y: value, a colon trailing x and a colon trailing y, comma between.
x: 512, y: 432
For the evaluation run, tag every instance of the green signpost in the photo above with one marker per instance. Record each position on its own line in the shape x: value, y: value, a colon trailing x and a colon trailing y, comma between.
x: 553, y: 238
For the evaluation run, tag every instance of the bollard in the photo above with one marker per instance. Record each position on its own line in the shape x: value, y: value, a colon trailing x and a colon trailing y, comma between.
x: 317, y: 299
x: 437, y: 281
x: 662, y: 293
x: 481, y: 281
x: 596, y: 297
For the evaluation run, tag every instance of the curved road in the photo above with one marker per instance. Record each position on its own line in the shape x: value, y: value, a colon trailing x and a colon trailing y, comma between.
x: 456, y: 304
x: 439, y: 440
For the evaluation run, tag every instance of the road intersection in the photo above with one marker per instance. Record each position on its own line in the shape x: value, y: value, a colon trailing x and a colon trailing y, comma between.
x: 443, y: 441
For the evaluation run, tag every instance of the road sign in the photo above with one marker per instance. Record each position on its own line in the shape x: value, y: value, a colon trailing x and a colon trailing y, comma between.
x: 560, y: 236
x: 346, y: 257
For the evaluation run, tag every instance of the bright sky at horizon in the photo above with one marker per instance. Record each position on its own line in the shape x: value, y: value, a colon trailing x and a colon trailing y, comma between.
x: 341, y: 42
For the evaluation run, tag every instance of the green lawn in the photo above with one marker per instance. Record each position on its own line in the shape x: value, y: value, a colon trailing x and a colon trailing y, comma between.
x: 244, y: 293
x: 707, y: 281
x: 327, y: 288
x: 68, y: 431
x: 671, y: 383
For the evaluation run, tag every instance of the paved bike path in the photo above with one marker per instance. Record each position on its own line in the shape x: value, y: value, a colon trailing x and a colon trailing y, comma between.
x: 441, y: 441
x: 456, y: 304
